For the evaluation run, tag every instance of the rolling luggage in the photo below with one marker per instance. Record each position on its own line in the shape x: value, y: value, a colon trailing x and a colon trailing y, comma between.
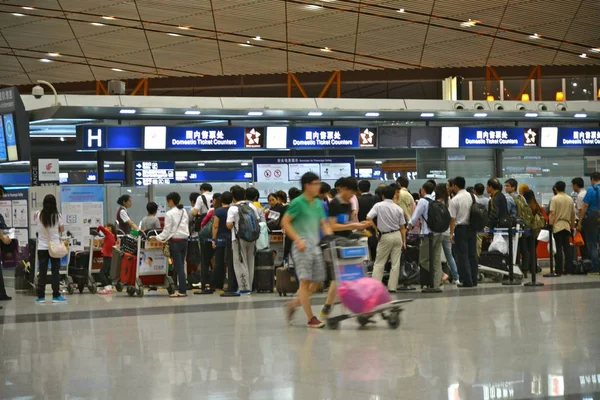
x: 285, y: 281
x: 115, y: 265
x: 128, y: 269
x: 264, y: 271
x: 78, y: 266
x: 494, y: 259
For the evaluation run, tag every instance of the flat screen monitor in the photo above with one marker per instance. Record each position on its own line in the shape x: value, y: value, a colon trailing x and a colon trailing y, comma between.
x: 425, y: 137
x: 3, y: 153
x: 393, y: 137
x: 10, y: 135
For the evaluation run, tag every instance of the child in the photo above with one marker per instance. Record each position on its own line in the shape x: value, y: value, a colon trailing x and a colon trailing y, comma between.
x: 107, y: 248
x: 151, y: 221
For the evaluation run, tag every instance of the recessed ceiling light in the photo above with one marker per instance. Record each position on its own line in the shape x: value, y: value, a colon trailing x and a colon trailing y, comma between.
x: 244, y: 164
x: 117, y: 69
x: 326, y: 49
x: 574, y: 84
x: 106, y: 165
x: 173, y: 34
x: 401, y: 10
x: 257, y: 38
x: 247, y: 44
x: 127, y: 111
x: 595, y: 50
x: 535, y: 36
x: 18, y: 14
x: 62, y: 139
x: 580, y: 115
x: 109, y: 17
x: 54, y: 54
x: 372, y: 114
x: 28, y: 8
x: 427, y: 115
x: 531, y: 115
x: 315, y: 114
x: 480, y: 115
x: 583, y: 55
x: 45, y: 60
x: 185, y: 28
x: 201, y: 164
x: 314, y: 6
x: 468, y: 24
x: 255, y: 113
x: 96, y: 24
x: 193, y: 112
x: 378, y: 162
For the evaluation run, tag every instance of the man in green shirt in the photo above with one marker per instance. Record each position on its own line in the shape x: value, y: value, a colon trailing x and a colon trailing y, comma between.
x: 302, y: 223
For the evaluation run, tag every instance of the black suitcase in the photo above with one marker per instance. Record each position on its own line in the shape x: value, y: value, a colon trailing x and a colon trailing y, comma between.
x: 78, y: 266
x: 264, y: 271
x: 494, y: 259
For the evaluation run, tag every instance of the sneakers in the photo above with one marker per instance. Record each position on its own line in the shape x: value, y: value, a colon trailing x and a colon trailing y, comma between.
x: 40, y: 300
x: 59, y: 299
x: 326, y: 311
x: 105, y: 291
x: 244, y: 291
x: 315, y: 323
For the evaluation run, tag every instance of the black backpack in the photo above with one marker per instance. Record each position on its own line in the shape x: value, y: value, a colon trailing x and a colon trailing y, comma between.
x: 438, y: 216
x: 478, y: 216
x: 197, y: 220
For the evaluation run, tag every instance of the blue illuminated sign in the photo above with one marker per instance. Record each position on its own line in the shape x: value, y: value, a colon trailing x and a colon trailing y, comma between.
x: 331, y: 137
x: 11, y: 137
x: 498, y: 137
x: 154, y: 173
x: 3, y: 153
x: 94, y: 137
x: 214, y: 176
x: 184, y: 138
x: 577, y: 137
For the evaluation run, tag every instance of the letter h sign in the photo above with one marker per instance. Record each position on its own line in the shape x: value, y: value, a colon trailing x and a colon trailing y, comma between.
x: 94, y: 138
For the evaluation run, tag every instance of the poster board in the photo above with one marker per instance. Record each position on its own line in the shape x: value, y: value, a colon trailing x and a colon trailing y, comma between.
x: 13, y: 207
x: 82, y: 208
x: 36, y: 201
x: 152, y: 260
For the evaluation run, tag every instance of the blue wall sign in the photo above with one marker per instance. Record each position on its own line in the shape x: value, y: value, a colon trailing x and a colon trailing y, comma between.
x: 154, y: 173
x: 94, y: 137
x: 214, y: 176
x: 498, y: 137
x: 331, y: 137
x: 578, y: 137
x: 205, y: 138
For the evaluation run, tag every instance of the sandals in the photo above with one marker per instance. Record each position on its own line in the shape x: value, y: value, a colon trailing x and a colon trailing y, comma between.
x: 178, y: 295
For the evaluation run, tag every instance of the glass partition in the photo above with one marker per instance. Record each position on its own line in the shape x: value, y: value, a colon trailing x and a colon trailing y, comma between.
x: 471, y: 163
x: 139, y: 200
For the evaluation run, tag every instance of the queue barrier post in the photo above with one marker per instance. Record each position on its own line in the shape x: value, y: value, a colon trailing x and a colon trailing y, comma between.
x: 552, y: 274
x: 533, y: 265
x: 511, y: 251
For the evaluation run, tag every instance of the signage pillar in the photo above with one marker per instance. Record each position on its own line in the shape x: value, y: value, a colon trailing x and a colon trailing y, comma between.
x: 100, y: 157
x: 44, y: 171
x: 128, y: 168
x: 498, y: 163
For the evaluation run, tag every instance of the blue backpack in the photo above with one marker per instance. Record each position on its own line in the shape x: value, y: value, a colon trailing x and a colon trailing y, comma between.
x: 248, y: 226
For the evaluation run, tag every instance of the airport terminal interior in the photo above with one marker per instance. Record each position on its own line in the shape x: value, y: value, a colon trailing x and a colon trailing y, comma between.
x: 214, y: 200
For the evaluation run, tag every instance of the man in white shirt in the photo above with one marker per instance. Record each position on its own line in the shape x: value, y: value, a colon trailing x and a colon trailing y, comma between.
x: 203, y: 201
x: 463, y: 236
x: 243, y: 251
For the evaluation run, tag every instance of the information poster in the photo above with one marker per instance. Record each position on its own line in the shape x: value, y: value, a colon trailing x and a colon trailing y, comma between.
x: 286, y: 170
x: 272, y: 173
x: 297, y: 170
x: 13, y: 208
x: 82, y: 209
x: 152, y: 262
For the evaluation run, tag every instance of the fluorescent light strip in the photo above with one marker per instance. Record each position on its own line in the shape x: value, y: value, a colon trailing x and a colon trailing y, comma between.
x: 531, y: 115
x: 315, y: 114
x: 372, y: 114
x: 127, y: 111
x: 580, y: 115
x: 480, y: 115
x: 97, y: 24
x: 255, y: 113
x: 193, y: 112
x: 427, y: 115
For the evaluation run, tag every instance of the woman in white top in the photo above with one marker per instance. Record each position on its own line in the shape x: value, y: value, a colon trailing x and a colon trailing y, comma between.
x: 50, y: 226
x: 176, y: 232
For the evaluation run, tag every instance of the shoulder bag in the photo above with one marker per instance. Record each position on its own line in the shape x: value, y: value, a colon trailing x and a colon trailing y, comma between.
x: 166, y: 248
x: 56, y: 250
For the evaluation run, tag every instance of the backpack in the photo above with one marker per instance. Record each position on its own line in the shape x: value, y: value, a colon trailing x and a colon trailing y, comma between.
x: 478, y: 216
x: 438, y: 216
x: 248, y: 228
x: 524, y: 212
x: 206, y: 232
x: 197, y: 220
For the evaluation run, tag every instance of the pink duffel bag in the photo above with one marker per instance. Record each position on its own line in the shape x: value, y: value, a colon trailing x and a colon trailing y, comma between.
x: 364, y: 294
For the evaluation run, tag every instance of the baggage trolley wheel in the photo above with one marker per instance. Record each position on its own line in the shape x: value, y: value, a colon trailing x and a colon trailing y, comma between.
x: 119, y: 287
x: 394, y: 319
x: 92, y: 285
x: 363, y: 320
x: 130, y: 290
x: 280, y: 294
x: 332, y: 324
x: 80, y: 287
x: 140, y: 291
x: 480, y: 277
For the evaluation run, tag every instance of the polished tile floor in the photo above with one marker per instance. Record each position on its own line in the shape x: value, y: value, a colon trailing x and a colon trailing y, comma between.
x: 492, y: 342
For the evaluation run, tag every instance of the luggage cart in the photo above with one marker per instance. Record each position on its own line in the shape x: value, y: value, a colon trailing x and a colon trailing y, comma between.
x: 499, y: 272
x: 66, y: 280
x: 148, y: 271
x: 348, y: 265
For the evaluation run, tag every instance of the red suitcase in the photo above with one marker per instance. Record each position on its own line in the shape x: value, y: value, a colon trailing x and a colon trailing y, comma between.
x: 128, y: 266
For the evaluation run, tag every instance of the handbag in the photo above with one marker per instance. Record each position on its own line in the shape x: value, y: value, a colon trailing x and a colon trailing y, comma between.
x: 166, y: 247
x: 56, y: 250
x: 578, y: 239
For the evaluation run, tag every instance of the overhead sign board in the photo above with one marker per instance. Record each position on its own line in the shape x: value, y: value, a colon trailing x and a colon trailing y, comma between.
x: 331, y: 137
x: 154, y: 173
x: 570, y: 137
x: 291, y: 169
x: 481, y: 137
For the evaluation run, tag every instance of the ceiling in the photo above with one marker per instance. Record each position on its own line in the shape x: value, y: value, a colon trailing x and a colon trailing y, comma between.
x: 220, y: 37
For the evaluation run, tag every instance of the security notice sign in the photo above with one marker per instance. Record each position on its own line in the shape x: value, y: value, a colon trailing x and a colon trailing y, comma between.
x: 272, y: 173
